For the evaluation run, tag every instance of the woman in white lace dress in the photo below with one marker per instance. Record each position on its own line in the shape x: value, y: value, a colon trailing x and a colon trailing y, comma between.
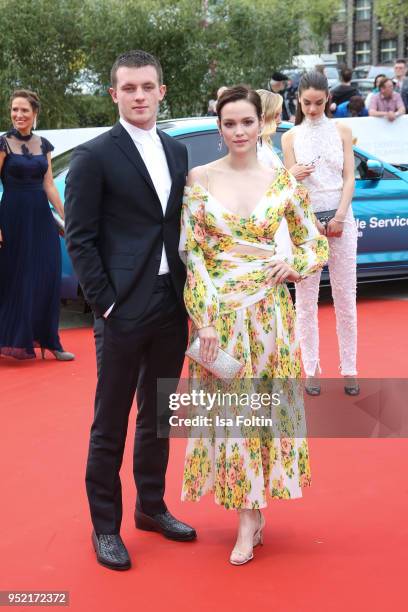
x: 325, y: 146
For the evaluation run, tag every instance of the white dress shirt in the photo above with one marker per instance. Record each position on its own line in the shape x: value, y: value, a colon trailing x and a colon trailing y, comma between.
x: 151, y: 150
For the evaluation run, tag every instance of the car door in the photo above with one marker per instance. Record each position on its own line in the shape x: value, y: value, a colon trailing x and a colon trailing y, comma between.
x: 381, y: 211
x: 202, y: 147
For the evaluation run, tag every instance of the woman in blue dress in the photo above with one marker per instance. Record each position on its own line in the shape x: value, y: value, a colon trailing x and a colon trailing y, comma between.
x: 30, y: 256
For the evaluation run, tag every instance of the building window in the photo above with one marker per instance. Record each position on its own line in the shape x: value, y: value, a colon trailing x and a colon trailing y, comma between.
x: 363, y: 9
x: 341, y: 11
x: 388, y: 51
x: 362, y: 53
x: 339, y: 49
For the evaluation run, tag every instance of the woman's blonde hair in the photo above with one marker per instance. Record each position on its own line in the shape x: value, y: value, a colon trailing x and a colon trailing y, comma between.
x: 271, y: 105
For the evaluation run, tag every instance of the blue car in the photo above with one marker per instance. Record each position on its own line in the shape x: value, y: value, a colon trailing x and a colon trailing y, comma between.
x: 380, y: 202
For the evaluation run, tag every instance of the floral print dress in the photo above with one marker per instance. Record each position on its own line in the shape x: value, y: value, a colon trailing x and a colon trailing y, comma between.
x: 230, y: 289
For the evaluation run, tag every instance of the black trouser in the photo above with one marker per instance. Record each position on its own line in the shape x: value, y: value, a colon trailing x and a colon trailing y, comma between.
x: 132, y: 355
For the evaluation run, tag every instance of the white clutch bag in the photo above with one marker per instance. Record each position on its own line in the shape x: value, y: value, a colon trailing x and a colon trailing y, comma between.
x: 224, y: 365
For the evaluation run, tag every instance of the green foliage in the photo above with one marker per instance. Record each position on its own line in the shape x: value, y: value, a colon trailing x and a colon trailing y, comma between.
x: 234, y: 41
x: 391, y: 12
x: 172, y: 31
x: 91, y: 110
x: 48, y: 46
x: 249, y: 40
x: 319, y: 16
x: 41, y: 49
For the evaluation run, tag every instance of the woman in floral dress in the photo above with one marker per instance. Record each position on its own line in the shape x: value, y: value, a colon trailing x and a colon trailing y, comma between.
x: 237, y: 299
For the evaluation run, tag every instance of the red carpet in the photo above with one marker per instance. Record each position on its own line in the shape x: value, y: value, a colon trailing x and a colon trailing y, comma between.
x: 344, y: 546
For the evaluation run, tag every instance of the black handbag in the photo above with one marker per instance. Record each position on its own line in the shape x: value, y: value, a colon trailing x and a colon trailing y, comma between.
x: 324, y: 216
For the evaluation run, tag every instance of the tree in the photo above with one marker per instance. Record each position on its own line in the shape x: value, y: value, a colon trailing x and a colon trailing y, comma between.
x: 318, y: 16
x: 172, y: 31
x: 249, y: 40
x: 391, y: 13
x: 41, y: 49
x: 202, y: 44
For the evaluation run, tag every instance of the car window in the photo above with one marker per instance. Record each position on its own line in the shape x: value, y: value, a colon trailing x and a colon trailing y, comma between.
x: 202, y: 148
x: 360, y: 169
x: 277, y: 143
x: 60, y: 163
x: 387, y: 70
x: 331, y: 72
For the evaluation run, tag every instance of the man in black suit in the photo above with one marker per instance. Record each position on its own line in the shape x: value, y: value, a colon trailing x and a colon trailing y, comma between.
x: 122, y: 206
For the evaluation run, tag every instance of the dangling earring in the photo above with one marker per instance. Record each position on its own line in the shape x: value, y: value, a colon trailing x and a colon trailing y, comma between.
x: 34, y: 123
x: 260, y: 141
x: 220, y: 143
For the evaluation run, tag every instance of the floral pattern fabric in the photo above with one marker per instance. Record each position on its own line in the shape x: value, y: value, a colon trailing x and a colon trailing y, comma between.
x: 228, y: 286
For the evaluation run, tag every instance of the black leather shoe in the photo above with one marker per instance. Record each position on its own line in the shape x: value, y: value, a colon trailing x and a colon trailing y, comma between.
x: 166, y: 524
x: 111, y: 551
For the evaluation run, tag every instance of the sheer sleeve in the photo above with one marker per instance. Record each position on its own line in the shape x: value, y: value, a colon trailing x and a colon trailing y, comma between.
x: 46, y: 146
x: 200, y: 294
x: 311, y: 249
x: 4, y: 148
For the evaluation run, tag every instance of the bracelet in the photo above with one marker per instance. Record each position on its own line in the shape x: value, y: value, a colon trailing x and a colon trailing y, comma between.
x: 338, y: 220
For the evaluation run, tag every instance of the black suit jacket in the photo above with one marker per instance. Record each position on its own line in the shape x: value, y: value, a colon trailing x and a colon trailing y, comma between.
x: 114, y: 222
x: 403, y: 90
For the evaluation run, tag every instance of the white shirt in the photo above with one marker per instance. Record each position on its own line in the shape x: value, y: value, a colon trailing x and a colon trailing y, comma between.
x: 151, y: 150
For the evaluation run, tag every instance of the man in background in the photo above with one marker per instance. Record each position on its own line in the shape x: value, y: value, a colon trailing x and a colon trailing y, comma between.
x: 279, y: 84
x: 355, y: 107
x: 387, y: 103
x: 344, y: 91
x: 401, y: 80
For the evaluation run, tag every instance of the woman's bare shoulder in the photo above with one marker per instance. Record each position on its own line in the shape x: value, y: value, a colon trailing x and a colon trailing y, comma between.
x: 343, y: 129
x: 197, y: 175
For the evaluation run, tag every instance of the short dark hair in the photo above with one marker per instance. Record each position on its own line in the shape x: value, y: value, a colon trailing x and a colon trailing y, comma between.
x: 356, y: 105
x: 378, y: 78
x: 312, y: 80
x: 30, y: 96
x: 346, y: 75
x: 401, y: 61
x: 240, y: 92
x: 136, y: 59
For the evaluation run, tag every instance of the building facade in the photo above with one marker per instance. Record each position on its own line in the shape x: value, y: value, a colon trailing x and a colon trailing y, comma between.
x: 357, y: 37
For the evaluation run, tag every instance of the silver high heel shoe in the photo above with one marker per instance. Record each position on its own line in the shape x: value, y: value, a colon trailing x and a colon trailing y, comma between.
x: 59, y: 355
x: 239, y: 558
